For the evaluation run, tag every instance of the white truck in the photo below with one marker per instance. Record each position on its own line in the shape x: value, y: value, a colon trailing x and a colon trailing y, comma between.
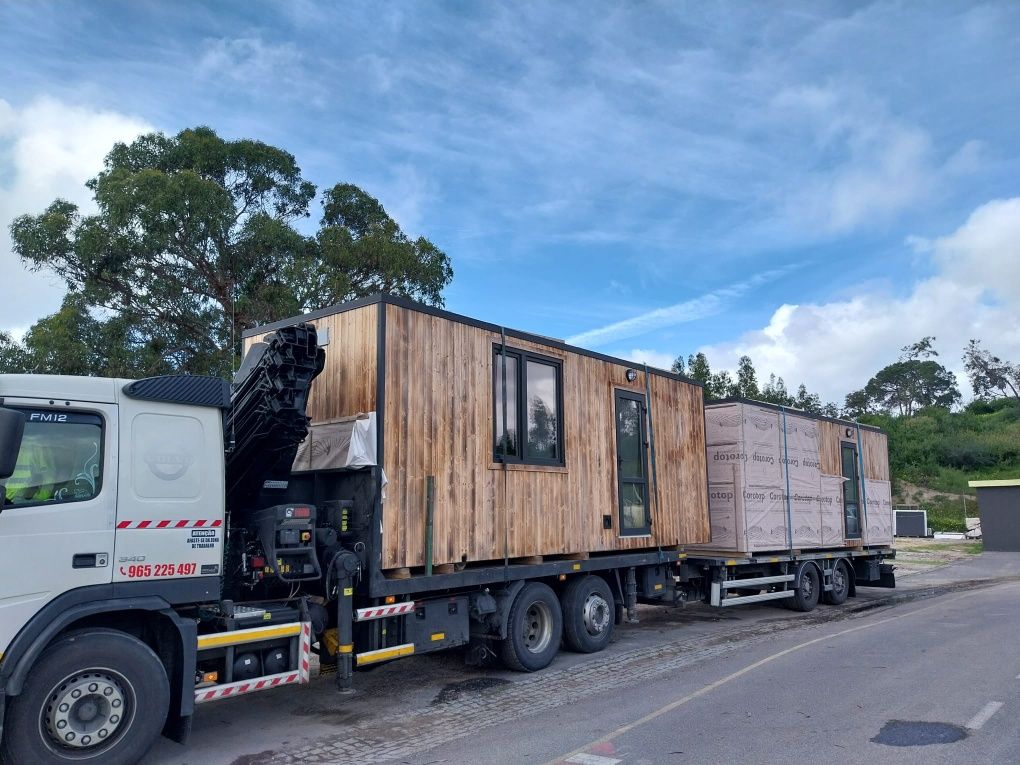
x: 159, y: 554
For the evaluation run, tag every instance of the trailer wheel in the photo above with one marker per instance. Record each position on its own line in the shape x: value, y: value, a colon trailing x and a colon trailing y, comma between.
x: 534, y: 630
x: 805, y: 597
x: 840, y: 585
x: 99, y: 695
x: 587, y: 614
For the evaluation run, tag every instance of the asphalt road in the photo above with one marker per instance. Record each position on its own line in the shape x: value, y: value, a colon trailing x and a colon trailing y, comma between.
x: 820, y: 694
x: 750, y: 684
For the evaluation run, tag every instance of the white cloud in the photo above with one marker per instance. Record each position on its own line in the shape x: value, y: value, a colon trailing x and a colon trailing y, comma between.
x: 709, y: 304
x: 656, y: 359
x: 48, y: 149
x: 835, y: 347
x: 257, y: 66
x: 405, y: 194
x: 880, y: 164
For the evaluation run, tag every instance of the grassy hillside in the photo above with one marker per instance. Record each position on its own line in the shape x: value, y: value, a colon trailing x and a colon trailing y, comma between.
x: 935, y: 452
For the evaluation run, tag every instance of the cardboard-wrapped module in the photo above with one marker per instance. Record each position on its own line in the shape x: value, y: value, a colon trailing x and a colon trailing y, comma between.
x: 776, y: 480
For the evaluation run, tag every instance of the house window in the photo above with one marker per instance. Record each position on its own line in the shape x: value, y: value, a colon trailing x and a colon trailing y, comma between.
x: 532, y: 430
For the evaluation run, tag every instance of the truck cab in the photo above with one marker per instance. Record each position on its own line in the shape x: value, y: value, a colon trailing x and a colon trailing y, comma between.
x: 111, y: 511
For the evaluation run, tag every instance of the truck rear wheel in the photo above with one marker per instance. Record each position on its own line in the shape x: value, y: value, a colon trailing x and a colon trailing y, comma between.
x: 534, y: 629
x: 99, y: 695
x: 840, y: 585
x: 588, y: 614
x: 805, y: 597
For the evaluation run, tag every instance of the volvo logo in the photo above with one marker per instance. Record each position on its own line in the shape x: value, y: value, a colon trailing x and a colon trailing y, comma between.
x: 168, y: 466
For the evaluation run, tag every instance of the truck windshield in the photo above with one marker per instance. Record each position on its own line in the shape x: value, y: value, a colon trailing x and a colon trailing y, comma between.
x: 60, y: 460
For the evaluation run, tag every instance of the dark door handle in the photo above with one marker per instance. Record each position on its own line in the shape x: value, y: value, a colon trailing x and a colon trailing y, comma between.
x: 89, y: 560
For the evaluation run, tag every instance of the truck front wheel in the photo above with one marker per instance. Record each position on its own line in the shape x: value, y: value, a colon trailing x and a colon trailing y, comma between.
x: 96, y: 695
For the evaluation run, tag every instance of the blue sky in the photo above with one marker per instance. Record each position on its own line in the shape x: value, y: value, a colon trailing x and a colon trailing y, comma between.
x: 815, y: 184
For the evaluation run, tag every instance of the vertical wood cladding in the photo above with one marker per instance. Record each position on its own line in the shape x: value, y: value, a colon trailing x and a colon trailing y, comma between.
x: 438, y: 421
x: 875, y: 447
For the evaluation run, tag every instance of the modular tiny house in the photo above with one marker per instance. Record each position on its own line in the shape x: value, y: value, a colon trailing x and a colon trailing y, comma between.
x: 782, y: 479
x: 584, y: 454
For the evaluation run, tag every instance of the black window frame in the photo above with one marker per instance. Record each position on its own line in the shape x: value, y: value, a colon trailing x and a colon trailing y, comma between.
x: 100, y: 483
x: 624, y: 394
x: 522, y: 357
x: 857, y: 481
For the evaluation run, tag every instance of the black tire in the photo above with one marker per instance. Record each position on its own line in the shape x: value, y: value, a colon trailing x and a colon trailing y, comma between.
x: 109, y: 670
x: 806, y: 595
x: 840, y: 585
x: 588, y: 614
x: 534, y: 629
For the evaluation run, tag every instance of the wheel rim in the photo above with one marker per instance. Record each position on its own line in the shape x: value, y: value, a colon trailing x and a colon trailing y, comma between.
x: 87, y: 712
x: 596, y: 614
x: 839, y: 580
x: 807, y: 586
x: 538, y: 627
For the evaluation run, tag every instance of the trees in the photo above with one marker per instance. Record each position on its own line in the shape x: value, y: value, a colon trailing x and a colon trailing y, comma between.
x: 857, y: 404
x: 723, y: 385
x: 990, y: 376
x: 914, y: 382
x: 195, y: 240
x: 747, y: 379
x: 775, y: 392
x: 905, y: 386
x: 12, y: 355
x: 809, y: 402
x: 717, y: 385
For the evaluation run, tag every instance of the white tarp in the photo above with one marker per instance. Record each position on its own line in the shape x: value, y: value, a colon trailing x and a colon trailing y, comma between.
x: 349, y: 442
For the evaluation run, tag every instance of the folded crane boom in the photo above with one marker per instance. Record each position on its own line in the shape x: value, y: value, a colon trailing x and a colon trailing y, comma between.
x: 267, y: 420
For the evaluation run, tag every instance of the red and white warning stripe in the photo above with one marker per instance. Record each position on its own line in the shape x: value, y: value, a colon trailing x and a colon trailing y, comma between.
x: 241, y: 687
x: 305, y: 651
x: 247, y: 686
x: 175, y: 524
x: 378, y: 612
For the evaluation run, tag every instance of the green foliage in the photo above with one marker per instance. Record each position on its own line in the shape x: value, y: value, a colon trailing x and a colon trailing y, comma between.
x: 775, y: 392
x: 905, y: 386
x: 194, y: 241
x: 12, y: 355
x: 914, y: 382
x: 946, y: 514
x: 722, y: 385
x: 944, y: 450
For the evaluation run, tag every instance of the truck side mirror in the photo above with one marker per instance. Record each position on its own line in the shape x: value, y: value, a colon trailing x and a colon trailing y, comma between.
x: 12, y: 429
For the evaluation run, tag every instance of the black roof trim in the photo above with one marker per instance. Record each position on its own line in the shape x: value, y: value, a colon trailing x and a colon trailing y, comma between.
x: 792, y: 410
x: 413, y: 305
x: 194, y: 390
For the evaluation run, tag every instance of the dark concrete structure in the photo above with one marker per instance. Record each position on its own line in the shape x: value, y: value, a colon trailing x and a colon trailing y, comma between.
x: 999, y: 507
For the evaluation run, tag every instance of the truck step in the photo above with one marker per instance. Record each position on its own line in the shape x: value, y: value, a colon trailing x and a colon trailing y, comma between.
x: 742, y: 600
x: 756, y: 581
